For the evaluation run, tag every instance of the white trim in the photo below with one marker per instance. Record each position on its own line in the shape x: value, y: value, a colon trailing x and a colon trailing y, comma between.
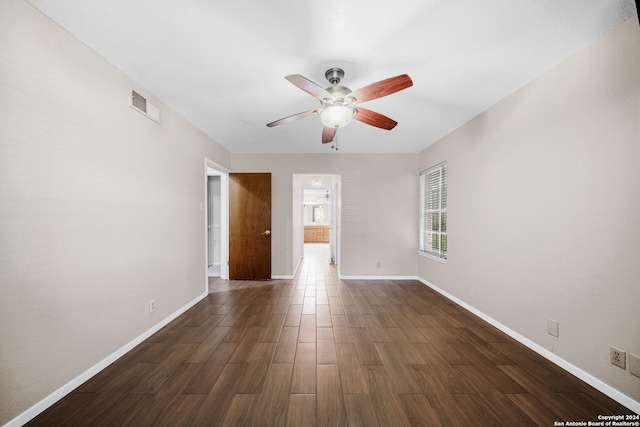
x: 433, y: 257
x: 377, y: 277
x: 48, y: 401
x: 216, y: 166
x: 600, y: 385
x: 281, y: 276
x: 298, y: 264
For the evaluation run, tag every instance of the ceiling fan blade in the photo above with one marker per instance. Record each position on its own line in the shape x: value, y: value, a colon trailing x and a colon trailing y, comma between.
x: 308, y: 86
x: 382, y: 88
x: 292, y: 118
x: 328, y: 134
x: 374, y: 119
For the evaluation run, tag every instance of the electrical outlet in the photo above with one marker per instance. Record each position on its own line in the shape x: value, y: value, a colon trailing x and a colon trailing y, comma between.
x: 618, y: 357
x: 634, y: 364
x: 552, y: 327
x: 152, y: 306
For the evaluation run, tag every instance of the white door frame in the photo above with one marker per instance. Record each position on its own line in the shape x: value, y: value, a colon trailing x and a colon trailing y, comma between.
x: 213, y: 169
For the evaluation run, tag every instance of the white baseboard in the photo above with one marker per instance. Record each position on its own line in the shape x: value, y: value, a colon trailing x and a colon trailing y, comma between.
x: 288, y: 276
x: 605, y: 388
x: 377, y: 277
x: 45, y: 403
x: 298, y: 264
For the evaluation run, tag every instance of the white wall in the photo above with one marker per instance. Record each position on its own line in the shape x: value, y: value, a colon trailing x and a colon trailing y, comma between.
x: 544, y: 208
x: 101, y: 209
x: 379, y: 209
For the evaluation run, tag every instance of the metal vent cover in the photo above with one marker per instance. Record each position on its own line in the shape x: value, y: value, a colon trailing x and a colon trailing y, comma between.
x: 138, y: 101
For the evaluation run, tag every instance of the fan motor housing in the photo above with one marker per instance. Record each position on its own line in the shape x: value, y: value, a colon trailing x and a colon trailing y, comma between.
x: 334, y: 75
x: 339, y: 92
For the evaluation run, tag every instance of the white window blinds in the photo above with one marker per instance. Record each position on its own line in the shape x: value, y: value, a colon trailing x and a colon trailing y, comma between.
x: 433, y: 211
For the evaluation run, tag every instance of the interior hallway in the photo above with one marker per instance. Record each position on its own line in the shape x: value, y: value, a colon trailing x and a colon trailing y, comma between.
x: 319, y: 351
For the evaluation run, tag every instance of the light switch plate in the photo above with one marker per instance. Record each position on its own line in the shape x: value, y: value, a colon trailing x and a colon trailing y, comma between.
x: 634, y: 364
x: 552, y: 327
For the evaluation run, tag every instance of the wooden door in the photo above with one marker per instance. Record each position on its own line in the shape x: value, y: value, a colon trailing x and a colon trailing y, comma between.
x: 250, y: 226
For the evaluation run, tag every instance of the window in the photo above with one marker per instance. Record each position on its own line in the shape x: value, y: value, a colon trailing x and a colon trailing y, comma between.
x: 433, y: 211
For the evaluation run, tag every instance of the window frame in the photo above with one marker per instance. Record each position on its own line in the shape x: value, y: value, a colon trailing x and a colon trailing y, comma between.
x: 426, y: 226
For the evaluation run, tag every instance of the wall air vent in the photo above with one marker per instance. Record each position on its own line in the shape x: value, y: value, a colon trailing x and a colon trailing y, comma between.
x: 138, y: 101
x: 144, y: 107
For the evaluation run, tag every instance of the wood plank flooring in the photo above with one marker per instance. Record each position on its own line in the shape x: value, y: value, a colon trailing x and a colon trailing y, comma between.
x: 317, y: 351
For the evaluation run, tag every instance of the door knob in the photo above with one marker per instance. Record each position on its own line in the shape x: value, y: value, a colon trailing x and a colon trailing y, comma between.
x: 266, y: 233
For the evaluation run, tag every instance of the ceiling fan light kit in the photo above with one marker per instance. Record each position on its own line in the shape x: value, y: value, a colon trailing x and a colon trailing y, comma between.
x: 338, y: 103
x: 336, y: 116
x: 337, y: 111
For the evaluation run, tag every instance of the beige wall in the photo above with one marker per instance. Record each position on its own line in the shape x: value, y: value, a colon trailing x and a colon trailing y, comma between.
x: 99, y: 210
x: 544, y: 208
x: 379, y: 209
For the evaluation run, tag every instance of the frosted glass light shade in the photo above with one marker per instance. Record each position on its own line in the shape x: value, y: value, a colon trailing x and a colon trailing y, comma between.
x: 336, y: 116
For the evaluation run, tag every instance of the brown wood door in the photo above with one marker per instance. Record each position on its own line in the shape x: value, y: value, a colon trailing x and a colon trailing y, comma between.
x: 250, y: 226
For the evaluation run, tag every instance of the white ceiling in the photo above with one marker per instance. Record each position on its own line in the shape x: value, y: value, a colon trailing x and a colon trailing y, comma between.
x: 221, y: 64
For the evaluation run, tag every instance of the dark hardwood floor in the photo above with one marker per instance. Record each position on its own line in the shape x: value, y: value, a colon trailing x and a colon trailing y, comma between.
x: 319, y: 351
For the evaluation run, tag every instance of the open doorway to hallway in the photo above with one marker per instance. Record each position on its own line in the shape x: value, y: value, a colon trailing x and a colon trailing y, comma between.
x: 213, y: 225
x: 316, y: 216
x: 217, y: 234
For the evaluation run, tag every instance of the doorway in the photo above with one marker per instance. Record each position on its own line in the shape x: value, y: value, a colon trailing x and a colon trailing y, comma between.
x: 217, y: 223
x: 317, y: 216
x: 213, y: 225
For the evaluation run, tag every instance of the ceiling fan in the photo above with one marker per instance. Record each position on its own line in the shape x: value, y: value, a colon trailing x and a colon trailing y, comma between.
x: 338, y: 104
